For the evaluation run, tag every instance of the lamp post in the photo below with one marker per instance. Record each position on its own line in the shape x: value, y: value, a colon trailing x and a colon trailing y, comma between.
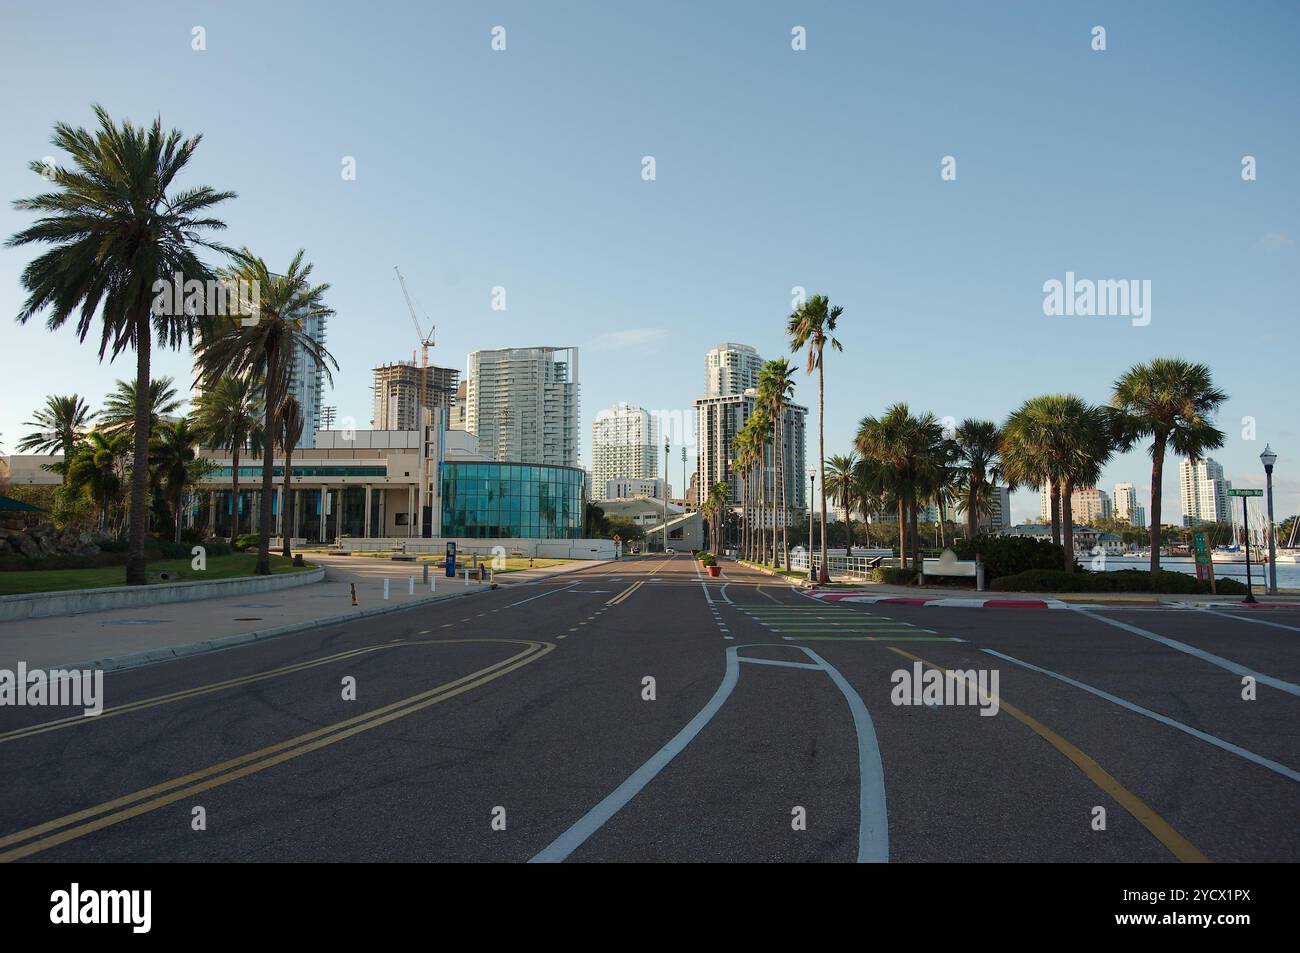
x: 812, y: 481
x: 1245, y: 526
x: 665, y: 496
x: 1268, y: 458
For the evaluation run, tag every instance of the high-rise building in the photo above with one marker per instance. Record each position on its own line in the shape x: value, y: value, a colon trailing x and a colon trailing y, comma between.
x: 306, y: 381
x: 624, y: 446
x: 396, y: 391
x: 1127, y: 506
x: 1089, y: 504
x: 1000, y: 518
x: 731, y: 369
x: 522, y: 404
x: 626, y: 488
x: 1204, y: 492
x: 1045, y: 503
x: 456, y: 419
x: 719, y: 419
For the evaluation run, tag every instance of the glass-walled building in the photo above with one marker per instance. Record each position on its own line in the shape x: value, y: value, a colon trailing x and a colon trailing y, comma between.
x: 487, y: 500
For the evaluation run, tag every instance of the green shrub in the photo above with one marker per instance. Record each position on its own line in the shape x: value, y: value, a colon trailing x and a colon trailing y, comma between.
x: 1124, y: 580
x: 892, y: 576
x: 1011, y: 555
x: 1229, y: 587
x: 217, y: 547
x: 245, y: 541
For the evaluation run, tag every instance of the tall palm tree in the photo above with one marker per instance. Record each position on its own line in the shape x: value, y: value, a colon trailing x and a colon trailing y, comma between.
x: 177, y: 464
x: 289, y: 433
x: 776, y: 388
x: 839, y: 470
x: 117, y: 227
x: 977, y: 456
x: 1171, y: 403
x: 912, y: 455
x: 1060, y: 439
x: 97, y: 469
x: 119, y: 410
x: 813, y: 326
x: 268, y: 346
x: 61, y: 423
x: 228, y: 415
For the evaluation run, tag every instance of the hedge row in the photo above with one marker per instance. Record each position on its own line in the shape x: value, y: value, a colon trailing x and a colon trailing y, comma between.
x: 1124, y: 580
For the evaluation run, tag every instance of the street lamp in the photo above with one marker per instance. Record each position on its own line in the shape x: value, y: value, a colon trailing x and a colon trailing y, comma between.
x: 812, y: 480
x: 1268, y: 458
x: 665, y: 496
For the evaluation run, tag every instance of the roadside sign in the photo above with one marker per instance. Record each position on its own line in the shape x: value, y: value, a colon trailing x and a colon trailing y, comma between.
x: 1245, y: 493
x: 451, y: 559
x: 1204, y: 561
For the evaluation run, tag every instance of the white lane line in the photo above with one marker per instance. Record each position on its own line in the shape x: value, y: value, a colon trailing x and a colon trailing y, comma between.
x: 1156, y: 716
x: 1242, y: 618
x: 873, y: 821
x: 542, y: 596
x: 723, y: 594
x: 1223, y: 663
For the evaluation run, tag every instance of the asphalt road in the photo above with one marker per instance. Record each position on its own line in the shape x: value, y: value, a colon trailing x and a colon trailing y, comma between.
x: 516, y: 725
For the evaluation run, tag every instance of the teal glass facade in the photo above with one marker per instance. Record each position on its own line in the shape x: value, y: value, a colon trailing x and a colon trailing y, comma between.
x: 485, y: 500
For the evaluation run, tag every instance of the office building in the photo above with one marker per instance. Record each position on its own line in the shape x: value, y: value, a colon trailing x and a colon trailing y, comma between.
x: 396, y: 391
x: 522, y: 404
x: 1204, y: 492
x: 624, y: 447
x: 634, y: 489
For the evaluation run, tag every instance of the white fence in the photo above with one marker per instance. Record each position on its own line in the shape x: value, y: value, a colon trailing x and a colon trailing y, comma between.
x: 857, y: 566
x: 545, y: 548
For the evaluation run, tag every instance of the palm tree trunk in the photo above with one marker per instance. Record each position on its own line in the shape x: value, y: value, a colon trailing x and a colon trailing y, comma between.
x: 972, y: 516
x: 1067, y: 524
x: 824, y: 576
x: 848, y: 528
x: 902, y: 533
x: 135, y: 558
x: 1157, y: 475
x: 263, y: 567
x: 286, y: 508
x: 179, y: 504
x: 785, y: 500
x: 776, y: 490
x: 914, y: 521
x: 1055, y: 496
x: 234, y: 494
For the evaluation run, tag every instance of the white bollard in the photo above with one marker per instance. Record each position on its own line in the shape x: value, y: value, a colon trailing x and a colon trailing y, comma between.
x: 385, y: 587
x: 410, y: 585
x: 466, y: 577
x: 433, y: 583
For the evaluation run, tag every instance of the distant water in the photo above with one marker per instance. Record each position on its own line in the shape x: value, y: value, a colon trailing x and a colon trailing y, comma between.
x: 1288, y: 574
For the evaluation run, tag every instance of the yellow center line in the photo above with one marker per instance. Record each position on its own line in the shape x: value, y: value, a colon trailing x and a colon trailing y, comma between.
x: 1145, y: 815
x: 625, y: 593
x: 107, y: 814
x: 186, y: 693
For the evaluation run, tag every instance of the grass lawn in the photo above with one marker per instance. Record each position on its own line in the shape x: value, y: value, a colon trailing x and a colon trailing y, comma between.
x: 53, y: 580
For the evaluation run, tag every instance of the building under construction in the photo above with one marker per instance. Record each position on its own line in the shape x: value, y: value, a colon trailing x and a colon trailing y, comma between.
x: 396, y: 391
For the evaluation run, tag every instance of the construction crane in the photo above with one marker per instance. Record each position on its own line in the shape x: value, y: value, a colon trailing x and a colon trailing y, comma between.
x: 425, y: 344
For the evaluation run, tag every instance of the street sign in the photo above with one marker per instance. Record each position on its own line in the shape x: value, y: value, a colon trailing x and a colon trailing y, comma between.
x: 1202, y: 549
x: 1245, y: 493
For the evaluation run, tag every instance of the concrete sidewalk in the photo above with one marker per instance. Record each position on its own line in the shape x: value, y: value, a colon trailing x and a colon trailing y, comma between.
x: 124, y: 638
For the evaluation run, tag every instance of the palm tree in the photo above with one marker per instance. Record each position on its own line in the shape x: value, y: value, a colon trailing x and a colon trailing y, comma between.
x: 813, y: 326
x: 289, y: 432
x: 228, y: 415
x: 1171, y: 402
x: 60, y: 424
x: 912, y: 456
x: 115, y: 231
x: 96, y: 468
x: 839, y: 484
x: 119, y: 411
x: 977, y: 457
x: 177, y: 463
x: 775, y: 388
x: 268, y: 347
x: 1064, y: 440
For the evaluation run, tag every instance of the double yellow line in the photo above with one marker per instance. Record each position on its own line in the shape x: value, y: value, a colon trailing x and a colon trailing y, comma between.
x: 72, y: 826
x: 625, y: 593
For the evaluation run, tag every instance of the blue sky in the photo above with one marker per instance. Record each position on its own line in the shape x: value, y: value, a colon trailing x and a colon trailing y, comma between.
x: 775, y: 169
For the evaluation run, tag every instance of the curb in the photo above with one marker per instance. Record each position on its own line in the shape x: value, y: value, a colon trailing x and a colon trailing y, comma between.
x: 849, y: 595
x: 167, y: 653
x: 22, y: 606
x: 771, y: 572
